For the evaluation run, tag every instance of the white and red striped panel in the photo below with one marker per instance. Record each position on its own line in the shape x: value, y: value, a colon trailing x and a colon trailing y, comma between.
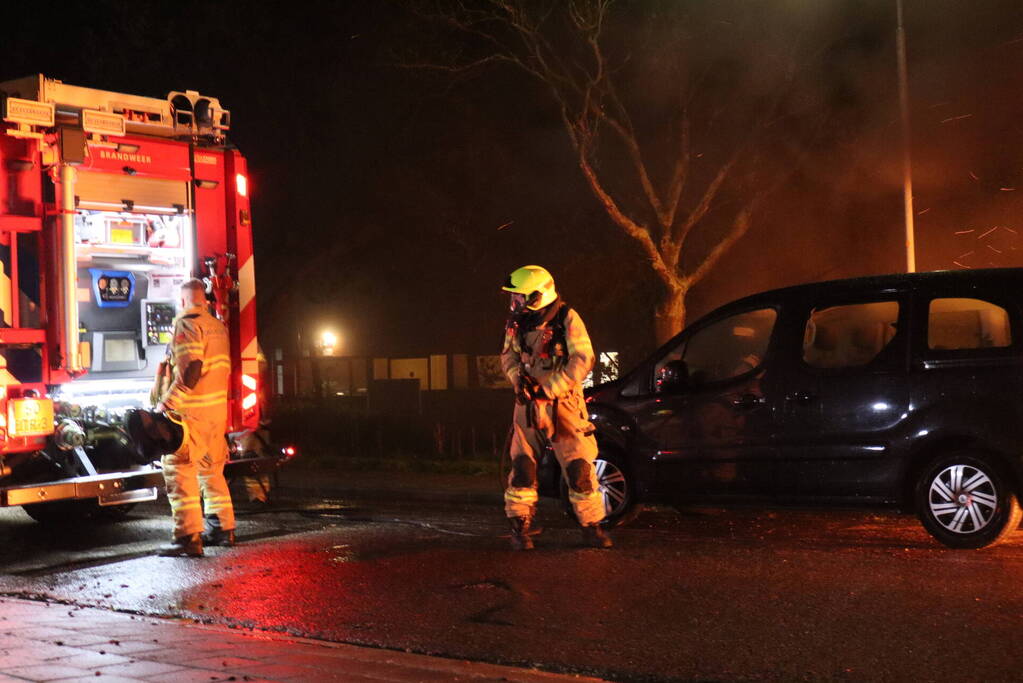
x: 243, y: 325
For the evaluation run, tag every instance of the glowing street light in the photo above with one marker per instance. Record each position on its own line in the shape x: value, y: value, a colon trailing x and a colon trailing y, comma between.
x: 328, y: 342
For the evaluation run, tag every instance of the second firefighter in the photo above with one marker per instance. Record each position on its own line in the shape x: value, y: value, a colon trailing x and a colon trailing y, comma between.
x: 546, y: 356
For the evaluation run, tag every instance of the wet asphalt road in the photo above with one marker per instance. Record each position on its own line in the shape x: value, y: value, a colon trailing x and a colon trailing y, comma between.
x: 702, y: 594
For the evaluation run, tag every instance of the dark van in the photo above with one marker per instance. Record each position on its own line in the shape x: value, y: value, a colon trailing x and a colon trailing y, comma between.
x: 899, y: 390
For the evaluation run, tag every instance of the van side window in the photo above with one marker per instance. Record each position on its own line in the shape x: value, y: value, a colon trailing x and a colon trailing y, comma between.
x: 848, y: 336
x: 726, y: 348
x: 954, y: 324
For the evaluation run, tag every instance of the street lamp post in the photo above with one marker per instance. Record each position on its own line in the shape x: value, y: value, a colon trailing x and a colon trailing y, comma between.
x: 907, y: 167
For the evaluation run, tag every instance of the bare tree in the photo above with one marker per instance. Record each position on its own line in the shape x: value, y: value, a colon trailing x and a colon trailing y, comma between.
x: 656, y: 189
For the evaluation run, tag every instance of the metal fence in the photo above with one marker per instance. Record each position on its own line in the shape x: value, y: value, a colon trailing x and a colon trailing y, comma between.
x: 449, y: 425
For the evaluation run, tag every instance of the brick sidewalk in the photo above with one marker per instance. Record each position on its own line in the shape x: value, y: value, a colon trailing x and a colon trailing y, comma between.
x: 53, y: 642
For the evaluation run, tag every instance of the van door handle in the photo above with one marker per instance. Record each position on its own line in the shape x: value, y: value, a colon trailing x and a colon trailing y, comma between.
x: 748, y: 402
x: 800, y: 397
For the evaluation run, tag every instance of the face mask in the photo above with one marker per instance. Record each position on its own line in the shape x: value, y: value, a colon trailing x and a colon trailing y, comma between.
x: 518, y: 303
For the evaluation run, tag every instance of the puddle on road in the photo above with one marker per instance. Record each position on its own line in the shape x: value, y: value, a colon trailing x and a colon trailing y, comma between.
x: 343, y: 554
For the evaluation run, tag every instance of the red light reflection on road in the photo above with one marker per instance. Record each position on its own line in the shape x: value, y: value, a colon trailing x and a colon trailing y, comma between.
x: 277, y: 586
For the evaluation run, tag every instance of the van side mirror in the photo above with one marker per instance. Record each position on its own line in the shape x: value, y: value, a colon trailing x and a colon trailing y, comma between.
x: 672, y: 378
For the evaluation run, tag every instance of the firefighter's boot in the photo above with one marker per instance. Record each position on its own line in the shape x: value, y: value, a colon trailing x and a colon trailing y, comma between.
x: 595, y: 537
x: 520, y: 527
x: 183, y: 546
x: 218, y: 536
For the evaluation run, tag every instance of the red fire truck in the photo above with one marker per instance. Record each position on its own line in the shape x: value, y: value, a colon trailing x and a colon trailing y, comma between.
x: 108, y: 202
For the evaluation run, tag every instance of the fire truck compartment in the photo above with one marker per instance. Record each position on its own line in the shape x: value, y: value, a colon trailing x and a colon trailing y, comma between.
x: 134, y: 246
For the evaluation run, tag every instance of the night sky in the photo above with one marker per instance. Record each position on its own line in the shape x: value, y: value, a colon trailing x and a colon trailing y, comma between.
x: 390, y: 202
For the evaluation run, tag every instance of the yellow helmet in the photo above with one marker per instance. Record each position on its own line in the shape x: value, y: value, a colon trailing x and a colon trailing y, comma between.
x: 535, y: 284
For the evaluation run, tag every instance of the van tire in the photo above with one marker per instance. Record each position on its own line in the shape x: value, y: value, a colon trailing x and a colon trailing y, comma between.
x: 617, y: 487
x: 966, y: 500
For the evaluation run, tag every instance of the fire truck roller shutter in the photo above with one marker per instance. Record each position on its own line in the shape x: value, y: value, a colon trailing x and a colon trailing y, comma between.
x: 20, y: 365
x: 28, y: 280
x: 106, y: 191
x: 6, y: 308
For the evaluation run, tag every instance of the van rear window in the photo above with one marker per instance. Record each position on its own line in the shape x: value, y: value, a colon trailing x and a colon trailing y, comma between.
x: 956, y: 324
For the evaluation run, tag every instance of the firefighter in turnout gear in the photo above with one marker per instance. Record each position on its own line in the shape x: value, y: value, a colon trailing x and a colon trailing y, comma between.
x: 196, y: 396
x: 255, y: 443
x: 546, y: 356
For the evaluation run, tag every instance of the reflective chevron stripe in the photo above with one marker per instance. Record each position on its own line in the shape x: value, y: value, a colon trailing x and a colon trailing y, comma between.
x: 521, y: 496
x: 243, y: 415
x: 188, y: 401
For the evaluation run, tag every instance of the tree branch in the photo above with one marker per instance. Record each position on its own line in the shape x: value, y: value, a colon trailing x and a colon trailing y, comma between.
x: 627, y: 134
x: 462, y: 68
x: 638, y: 232
x: 739, y: 228
x: 680, y: 173
x: 701, y: 209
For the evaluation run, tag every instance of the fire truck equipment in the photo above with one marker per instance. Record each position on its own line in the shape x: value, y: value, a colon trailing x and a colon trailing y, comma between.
x: 68, y: 435
x: 220, y: 283
x: 153, y: 434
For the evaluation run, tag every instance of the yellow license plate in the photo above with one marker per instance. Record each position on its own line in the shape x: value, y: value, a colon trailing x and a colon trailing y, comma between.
x: 30, y: 416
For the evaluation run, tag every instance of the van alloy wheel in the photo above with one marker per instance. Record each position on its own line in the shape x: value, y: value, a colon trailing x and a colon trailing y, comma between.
x: 963, y: 499
x: 966, y: 500
x: 613, y: 487
x: 616, y: 488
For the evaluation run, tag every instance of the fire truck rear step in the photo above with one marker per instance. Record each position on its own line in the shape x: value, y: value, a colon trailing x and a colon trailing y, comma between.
x: 125, y: 497
x: 110, y: 489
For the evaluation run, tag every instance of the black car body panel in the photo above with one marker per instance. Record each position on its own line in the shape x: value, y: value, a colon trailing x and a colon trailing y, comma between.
x: 852, y: 389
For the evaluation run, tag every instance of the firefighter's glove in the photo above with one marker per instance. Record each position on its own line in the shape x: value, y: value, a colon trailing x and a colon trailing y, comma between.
x: 539, y: 391
x: 528, y: 389
x: 522, y: 395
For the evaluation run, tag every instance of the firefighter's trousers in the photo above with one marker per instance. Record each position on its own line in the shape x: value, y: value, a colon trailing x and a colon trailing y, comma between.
x: 565, y: 423
x: 257, y: 487
x: 195, y: 478
x: 254, y: 444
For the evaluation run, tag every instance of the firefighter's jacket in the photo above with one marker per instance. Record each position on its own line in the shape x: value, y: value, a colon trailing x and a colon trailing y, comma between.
x: 198, y: 336
x: 559, y: 365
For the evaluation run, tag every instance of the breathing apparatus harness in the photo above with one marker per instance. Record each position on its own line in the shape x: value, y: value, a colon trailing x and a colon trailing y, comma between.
x: 551, y: 344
